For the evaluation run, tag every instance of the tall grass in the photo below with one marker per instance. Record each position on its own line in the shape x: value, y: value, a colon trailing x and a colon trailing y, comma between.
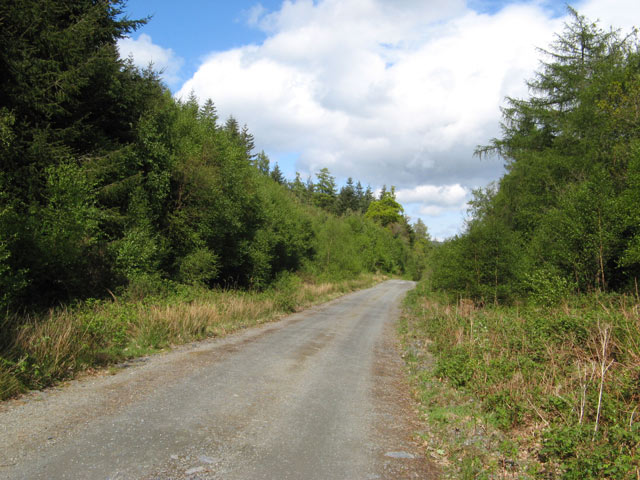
x: 562, y: 383
x: 39, y: 350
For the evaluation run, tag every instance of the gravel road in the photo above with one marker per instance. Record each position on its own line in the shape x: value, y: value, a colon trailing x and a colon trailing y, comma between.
x: 320, y: 394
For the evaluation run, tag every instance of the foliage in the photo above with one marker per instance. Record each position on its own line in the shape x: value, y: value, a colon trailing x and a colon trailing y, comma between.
x: 567, y: 204
x: 535, y: 374
x: 54, y: 345
x: 386, y: 210
x: 112, y: 189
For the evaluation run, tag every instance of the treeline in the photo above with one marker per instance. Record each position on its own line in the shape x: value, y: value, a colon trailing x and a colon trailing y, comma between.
x: 108, y: 182
x: 564, y: 218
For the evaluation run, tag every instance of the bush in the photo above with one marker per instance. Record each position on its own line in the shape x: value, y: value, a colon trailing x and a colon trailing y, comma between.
x: 285, y: 288
x: 456, y: 365
x: 199, y: 267
x: 547, y: 288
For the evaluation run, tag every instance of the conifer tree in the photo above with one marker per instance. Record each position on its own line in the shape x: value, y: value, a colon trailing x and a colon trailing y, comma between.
x: 248, y: 142
x: 347, y: 199
x: 262, y: 163
x: 231, y: 127
x: 325, y: 190
x: 276, y: 175
x: 208, y: 113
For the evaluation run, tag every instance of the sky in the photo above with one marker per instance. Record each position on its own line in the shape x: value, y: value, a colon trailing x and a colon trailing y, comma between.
x: 389, y: 92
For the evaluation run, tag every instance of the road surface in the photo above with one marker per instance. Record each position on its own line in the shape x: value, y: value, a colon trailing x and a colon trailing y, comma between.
x: 318, y: 395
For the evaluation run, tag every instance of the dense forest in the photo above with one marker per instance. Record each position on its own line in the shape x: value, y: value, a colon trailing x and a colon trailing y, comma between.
x: 131, y: 221
x: 564, y: 218
x: 108, y: 181
x: 525, y: 338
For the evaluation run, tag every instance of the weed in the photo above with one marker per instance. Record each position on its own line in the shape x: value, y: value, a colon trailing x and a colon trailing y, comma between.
x: 150, y: 316
x: 561, y: 382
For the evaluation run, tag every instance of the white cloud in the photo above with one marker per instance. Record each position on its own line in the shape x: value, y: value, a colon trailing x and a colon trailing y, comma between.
x: 436, y: 195
x: 144, y: 52
x: 623, y: 14
x: 397, y: 93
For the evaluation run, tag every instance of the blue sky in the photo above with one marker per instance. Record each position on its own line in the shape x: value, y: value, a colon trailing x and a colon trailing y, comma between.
x: 395, y: 92
x: 195, y: 28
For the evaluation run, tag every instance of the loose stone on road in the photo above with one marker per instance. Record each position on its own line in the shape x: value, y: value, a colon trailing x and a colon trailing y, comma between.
x: 320, y: 394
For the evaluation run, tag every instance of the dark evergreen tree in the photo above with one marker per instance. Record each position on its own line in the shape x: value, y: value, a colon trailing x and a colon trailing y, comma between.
x: 262, y: 163
x: 367, y: 198
x: 347, y: 200
x: 248, y: 142
x: 208, y: 113
x: 360, y: 197
x: 232, y: 128
x: 276, y: 175
x: 298, y: 188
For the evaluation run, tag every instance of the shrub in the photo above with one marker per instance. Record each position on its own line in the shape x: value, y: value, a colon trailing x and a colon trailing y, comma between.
x: 199, y: 267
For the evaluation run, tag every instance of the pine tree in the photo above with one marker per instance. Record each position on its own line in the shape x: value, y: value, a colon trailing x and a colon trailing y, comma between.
x: 208, y: 113
x: 367, y: 198
x: 262, y: 163
x: 276, y: 175
x: 347, y: 199
x: 248, y: 142
x: 231, y: 127
x: 63, y: 82
x: 325, y: 190
x: 360, y: 197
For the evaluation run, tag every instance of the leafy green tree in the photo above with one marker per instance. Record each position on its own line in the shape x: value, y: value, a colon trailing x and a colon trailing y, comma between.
x: 485, y: 262
x: 386, y: 210
x: 421, y: 232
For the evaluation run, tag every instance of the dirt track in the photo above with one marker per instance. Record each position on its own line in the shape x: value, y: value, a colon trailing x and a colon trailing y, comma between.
x: 318, y: 395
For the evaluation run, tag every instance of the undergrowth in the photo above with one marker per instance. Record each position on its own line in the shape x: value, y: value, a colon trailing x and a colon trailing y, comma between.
x: 147, y: 317
x: 528, y: 391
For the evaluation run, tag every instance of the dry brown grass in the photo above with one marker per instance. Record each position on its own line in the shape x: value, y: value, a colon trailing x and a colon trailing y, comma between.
x: 54, y: 346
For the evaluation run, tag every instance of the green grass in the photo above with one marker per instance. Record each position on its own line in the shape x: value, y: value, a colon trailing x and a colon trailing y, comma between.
x: 553, y: 391
x: 40, y: 350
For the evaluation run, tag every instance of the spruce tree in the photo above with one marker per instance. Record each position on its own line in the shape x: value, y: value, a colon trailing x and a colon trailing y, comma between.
x: 276, y: 175
x: 325, y: 190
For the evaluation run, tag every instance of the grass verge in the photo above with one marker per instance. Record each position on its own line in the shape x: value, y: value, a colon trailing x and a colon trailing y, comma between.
x: 39, y: 350
x: 527, y: 391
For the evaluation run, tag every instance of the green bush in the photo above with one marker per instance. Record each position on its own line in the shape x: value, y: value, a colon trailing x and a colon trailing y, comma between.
x: 285, y: 289
x: 456, y: 365
x: 199, y: 267
x: 547, y: 288
x: 585, y: 455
